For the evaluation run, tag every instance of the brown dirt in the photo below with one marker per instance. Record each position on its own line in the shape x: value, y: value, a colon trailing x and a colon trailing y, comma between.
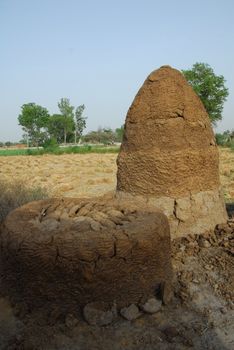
x: 200, y: 317
x: 86, y: 175
x: 73, y: 252
x: 169, y: 154
x: 169, y: 147
x: 71, y: 175
x: 227, y: 172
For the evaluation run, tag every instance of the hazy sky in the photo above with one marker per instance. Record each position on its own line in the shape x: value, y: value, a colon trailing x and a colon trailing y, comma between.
x: 100, y: 52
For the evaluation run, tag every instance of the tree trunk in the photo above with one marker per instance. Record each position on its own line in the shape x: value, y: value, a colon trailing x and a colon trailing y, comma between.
x: 65, y: 136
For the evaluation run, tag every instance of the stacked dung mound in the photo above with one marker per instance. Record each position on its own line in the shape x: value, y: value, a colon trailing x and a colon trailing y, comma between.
x: 169, y: 155
x: 72, y: 252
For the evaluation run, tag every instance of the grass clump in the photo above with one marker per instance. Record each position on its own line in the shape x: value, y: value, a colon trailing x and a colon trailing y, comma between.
x: 13, y: 152
x: 53, y: 149
x: 14, y: 194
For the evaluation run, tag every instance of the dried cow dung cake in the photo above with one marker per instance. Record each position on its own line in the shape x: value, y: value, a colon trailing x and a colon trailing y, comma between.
x: 169, y: 155
x: 72, y: 252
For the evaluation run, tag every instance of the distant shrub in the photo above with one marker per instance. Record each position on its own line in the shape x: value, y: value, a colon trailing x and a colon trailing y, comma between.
x: 226, y: 139
x: 220, y: 139
x: 50, y: 144
x: 34, y: 152
x: 8, y: 144
x: 232, y: 145
x: 15, y: 194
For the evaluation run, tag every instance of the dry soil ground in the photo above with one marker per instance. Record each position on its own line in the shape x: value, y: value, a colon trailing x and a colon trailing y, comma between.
x: 86, y: 174
x: 201, y: 315
x: 64, y: 175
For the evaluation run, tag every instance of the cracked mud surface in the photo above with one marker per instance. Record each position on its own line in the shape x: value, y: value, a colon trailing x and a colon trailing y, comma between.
x: 167, y: 133
x: 201, y: 315
x: 196, y: 213
x: 169, y: 153
x: 74, y: 252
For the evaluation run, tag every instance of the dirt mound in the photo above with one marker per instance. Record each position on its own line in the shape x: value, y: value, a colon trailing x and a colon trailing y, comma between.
x: 216, y: 267
x: 111, y: 257
x: 169, y: 154
x: 73, y: 252
x: 200, y: 316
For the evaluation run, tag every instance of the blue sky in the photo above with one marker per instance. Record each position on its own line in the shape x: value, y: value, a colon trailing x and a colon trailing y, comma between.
x: 100, y: 52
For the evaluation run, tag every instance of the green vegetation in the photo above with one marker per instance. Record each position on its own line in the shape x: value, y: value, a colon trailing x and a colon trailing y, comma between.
x: 39, y: 126
x: 80, y: 122
x: 34, y: 119
x: 59, y: 150
x: 104, y: 136
x: 13, y: 152
x: 14, y: 194
x: 47, y: 132
x: 225, y: 139
x: 55, y: 128
x: 7, y: 144
x: 100, y: 141
x: 209, y: 87
x: 67, y: 115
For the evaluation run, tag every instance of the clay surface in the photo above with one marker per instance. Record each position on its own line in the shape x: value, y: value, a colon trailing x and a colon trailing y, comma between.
x: 199, y: 212
x: 200, y: 317
x: 169, y: 151
x: 73, y: 252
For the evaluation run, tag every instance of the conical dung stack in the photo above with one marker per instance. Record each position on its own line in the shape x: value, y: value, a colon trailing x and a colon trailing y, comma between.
x: 169, y: 157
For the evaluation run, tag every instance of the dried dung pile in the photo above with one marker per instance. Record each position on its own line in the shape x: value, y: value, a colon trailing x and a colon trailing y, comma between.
x: 73, y: 252
x: 169, y: 156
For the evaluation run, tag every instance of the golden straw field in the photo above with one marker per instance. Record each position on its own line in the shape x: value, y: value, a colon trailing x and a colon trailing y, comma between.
x: 83, y: 175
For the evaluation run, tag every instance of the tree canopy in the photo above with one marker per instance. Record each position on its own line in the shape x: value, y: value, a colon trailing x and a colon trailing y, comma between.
x: 80, y: 121
x: 104, y: 135
x: 67, y: 111
x: 40, y: 128
x: 55, y: 127
x: 209, y: 87
x: 33, y: 119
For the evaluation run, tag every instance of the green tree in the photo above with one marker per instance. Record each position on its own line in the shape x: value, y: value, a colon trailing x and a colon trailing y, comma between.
x: 105, y: 136
x: 119, y: 133
x: 34, y: 119
x: 80, y: 122
x: 55, y: 127
x: 225, y: 139
x: 9, y: 144
x: 67, y: 111
x: 209, y: 87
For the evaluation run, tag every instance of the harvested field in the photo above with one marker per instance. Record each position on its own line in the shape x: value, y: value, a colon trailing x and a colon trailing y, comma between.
x: 227, y: 173
x: 74, y: 175
x: 82, y: 175
x: 202, y: 312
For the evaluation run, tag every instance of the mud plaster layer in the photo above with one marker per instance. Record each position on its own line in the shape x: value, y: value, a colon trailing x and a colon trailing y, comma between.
x: 167, y: 173
x: 169, y: 156
x: 72, y: 252
x: 169, y: 146
x: 194, y: 214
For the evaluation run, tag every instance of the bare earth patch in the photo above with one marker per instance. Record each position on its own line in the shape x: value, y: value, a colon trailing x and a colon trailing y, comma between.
x: 86, y: 175
x: 73, y: 175
x: 227, y: 172
x: 201, y: 315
